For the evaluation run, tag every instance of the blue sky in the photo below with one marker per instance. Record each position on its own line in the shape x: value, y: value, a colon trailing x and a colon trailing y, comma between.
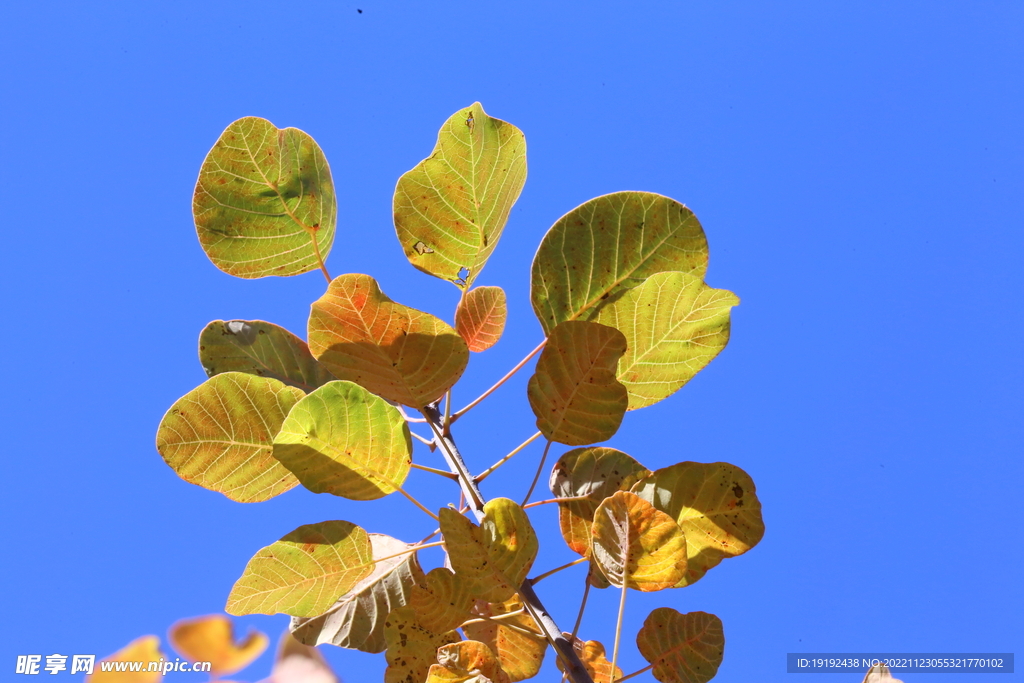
x: 858, y: 171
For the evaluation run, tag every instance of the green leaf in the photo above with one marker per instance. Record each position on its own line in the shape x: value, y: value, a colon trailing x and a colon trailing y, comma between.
x: 220, y: 436
x: 595, y: 473
x: 412, y: 648
x: 397, y: 352
x: 264, y: 203
x: 716, y: 506
x: 442, y: 601
x: 674, y: 325
x: 356, y: 620
x: 451, y: 208
x: 259, y: 348
x: 573, y: 391
x: 480, y: 317
x: 305, y: 572
x: 343, y: 440
x: 591, y: 255
x: 684, y: 648
x: 496, y: 556
x: 519, y: 654
x: 466, y: 662
x: 595, y: 660
x: 636, y: 545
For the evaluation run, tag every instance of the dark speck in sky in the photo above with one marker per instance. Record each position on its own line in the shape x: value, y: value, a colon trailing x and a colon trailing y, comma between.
x: 360, y: 11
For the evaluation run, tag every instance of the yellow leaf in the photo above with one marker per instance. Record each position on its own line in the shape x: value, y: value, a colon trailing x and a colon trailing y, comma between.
x: 684, y: 648
x: 593, y: 656
x: 466, y: 662
x: 145, y: 649
x: 636, y: 545
x: 480, y: 317
x: 443, y: 602
x: 520, y: 654
x: 211, y: 639
x: 411, y: 648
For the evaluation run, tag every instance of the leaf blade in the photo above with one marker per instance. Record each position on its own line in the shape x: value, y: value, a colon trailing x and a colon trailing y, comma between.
x: 211, y: 639
x: 684, y: 648
x: 480, y: 317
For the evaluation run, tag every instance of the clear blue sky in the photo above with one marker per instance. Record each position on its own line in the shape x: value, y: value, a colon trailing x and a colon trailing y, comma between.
x: 858, y: 169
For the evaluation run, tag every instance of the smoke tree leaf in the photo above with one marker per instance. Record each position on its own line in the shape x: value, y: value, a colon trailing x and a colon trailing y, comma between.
x: 394, y: 351
x: 496, y: 556
x: 596, y: 473
x: 343, y: 440
x: 684, y: 648
x: 211, y: 639
x: 264, y: 202
x: 260, y: 348
x: 451, y: 208
x: 144, y: 649
x: 607, y: 245
x: 220, y: 436
x: 674, y: 325
x: 356, y: 620
x: 442, y: 601
x: 636, y: 545
x: 411, y: 648
x: 716, y: 506
x: 468, y: 661
x: 519, y: 654
x: 480, y: 317
x: 305, y: 572
x: 573, y: 390
x: 595, y: 660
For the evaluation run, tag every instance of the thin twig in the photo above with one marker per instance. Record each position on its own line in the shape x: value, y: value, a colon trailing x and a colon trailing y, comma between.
x: 567, y: 499
x: 483, y: 475
x: 517, y: 368
x: 419, y: 546
x: 447, y: 413
x: 536, y: 477
x: 583, y: 605
x: 537, y: 579
x: 405, y: 415
x: 434, y: 470
x: 418, y: 504
x: 417, y: 436
x: 436, y: 532
x: 618, y: 625
x: 635, y: 673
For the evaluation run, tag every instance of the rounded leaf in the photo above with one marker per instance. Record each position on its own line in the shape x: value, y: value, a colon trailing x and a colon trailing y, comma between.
x: 451, y: 208
x: 519, y: 654
x: 212, y: 639
x: 595, y: 660
x: 573, y: 390
x: 305, y: 572
x: 684, y: 648
x: 394, y: 351
x: 220, y: 436
x: 636, y: 545
x: 443, y: 600
x: 674, y: 325
x: 264, y: 202
x: 607, y: 245
x: 343, y: 440
x: 480, y: 317
x: 716, y: 506
x: 412, y: 649
x: 466, y: 662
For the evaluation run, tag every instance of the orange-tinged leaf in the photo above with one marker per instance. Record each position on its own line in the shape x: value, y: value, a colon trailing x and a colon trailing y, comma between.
x: 394, y: 351
x: 466, y: 662
x: 595, y: 473
x: 684, y: 648
x: 607, y: 245
x: 298, y: 663
x: 220, y: 436
x: 716, y: 506
x: 411, y: 648
x: 451, y: 208
x: 212, y: 639
x: 144, y: 649
x: 480, y: 317
x: 443, y: 601
x: 305, y: 572
x: 264, y: 202
x: 343, y: 440
x: 260, y: 348
x: 356, y: 620
x: 519, y: 654
x: 595, y: 660
x: 636, y: 545
x: 573, y: 391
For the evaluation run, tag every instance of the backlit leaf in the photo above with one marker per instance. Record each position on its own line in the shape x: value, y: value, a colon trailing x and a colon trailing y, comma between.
x: 305, y: 572
x: 220, y: 436
x: 480, y: 317
x: 264, y: 195
x: 573, y: 391
x: 519, y: 653
x: 411, y: 648
x: 466, y: 662
x: 595, y: 660
x: 356, y: 620
x: 443, y: 600
x: 298, y: 663
x: 674, y: 326
x: 591, y: 255
x: 495, y: 556
x: 596, y: 473
x: 259, y: 348
x: 212, y: 639
x: 341, y: 439
x: 716, y: 506
x: 684, y: 648
x: 451, y: 208
x: 144, y: 649
x: 397, y: 352
x: 637, y: 545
